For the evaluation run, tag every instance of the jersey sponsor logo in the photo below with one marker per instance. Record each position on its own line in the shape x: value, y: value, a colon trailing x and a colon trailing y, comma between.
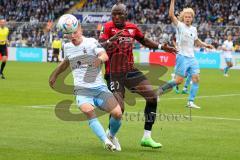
x: 84, y: 51
x: 125, y: 39
x: 80, y: 62
x: 114, y: 30
x: 131, y: 31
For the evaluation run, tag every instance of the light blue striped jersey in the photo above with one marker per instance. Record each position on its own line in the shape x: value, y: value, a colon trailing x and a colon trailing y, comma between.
x: 81, y: 58
x: 185, y: 38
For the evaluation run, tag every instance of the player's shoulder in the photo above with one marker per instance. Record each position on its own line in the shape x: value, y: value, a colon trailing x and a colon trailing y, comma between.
x: 68, y: 45
x: 4, y: 28
x: 194, y: 27
x: 179, y: 24
x: 109, y: 24
x: 91, y: 43
x: 90, y: 40
x: 130, y: 25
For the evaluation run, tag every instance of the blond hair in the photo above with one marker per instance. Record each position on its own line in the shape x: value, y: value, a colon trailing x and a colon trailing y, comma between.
x: 186, y: 10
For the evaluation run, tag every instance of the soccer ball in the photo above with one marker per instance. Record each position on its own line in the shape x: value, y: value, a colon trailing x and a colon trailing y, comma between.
x: 67, y: 24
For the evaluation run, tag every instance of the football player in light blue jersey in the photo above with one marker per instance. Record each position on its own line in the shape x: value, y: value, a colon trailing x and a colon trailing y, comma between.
x: 186, y: 38
x: 85, y: 57
x: 227, y: 50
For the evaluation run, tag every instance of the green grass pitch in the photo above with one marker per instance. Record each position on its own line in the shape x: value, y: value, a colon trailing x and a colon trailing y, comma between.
x: 29, y: 129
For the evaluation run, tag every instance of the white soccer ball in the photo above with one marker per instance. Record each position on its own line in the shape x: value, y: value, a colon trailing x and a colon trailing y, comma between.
x: 67, y: 23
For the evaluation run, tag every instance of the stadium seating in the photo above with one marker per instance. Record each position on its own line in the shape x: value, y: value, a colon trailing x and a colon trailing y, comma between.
x: 213, y: 17
x: 26, y: 19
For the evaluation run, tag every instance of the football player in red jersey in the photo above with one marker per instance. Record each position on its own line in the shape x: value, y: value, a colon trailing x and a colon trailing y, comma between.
x: 118, y: 38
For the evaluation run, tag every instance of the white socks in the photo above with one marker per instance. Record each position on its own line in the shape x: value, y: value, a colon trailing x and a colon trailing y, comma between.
x: 147, y: 134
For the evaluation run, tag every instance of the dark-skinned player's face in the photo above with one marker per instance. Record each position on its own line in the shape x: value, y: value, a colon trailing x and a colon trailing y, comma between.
x: 119, y: 16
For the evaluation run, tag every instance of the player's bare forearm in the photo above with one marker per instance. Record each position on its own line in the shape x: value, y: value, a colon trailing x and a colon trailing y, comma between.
x: 149, y: 43
x: 103, y: 43
x: 203, y: 44
x: 154, y: 45
x: 108, y: 43
x: 61, y: 67
x: 171, y: 12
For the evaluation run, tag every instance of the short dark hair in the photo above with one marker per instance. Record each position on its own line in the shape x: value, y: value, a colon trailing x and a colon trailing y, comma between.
x: 120, y: 3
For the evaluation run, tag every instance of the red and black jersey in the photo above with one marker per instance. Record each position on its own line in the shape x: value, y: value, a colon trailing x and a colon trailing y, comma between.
x: 121, y: 56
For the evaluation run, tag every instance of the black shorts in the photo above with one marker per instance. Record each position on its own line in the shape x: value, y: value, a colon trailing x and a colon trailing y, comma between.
x: 3, y: 50
x: 56, y: 51
x: 117, y: 82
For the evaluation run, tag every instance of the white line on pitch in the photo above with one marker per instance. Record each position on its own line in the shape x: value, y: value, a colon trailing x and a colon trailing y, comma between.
x: 199, y: 117
x: 179, y: 98
x: 216, y: 118
x: 198, y: 97
x: 172, y: 98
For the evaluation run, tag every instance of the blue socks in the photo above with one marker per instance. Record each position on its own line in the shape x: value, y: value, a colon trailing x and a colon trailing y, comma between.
x: 193, y: 91
x: 97, y: 128
x: 168, y: 85
x: 226, y: 69
x: 187, y: 82
x: 114, y: 126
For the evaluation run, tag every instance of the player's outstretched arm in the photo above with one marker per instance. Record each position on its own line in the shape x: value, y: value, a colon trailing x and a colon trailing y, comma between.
x: 61, y: 67
x: 107, y: 44
x: 203, y: 44
x: 154, y: 45
x: 171, y: 13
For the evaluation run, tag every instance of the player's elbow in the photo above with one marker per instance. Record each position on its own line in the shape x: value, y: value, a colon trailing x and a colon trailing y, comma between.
x: 117, y: 115
x: 172, y: 17
x: 103, y: 56
x: 106, y: 58
x: 171, y: 14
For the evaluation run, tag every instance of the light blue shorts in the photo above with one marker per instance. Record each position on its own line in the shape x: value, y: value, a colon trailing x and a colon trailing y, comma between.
x: 228, y: 60
x: 97, y: 96
x: 186, y: 66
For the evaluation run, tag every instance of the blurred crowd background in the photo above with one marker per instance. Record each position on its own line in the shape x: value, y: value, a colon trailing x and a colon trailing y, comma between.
x: 215, y: 19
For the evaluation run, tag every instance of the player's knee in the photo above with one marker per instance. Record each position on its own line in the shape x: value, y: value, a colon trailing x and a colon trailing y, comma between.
x: 87, y: 109
x: 152, y: 101
x: 151, y: 97
x: 4, y: 59
x: 117, y: 115
x: 117, y: 112
x: 196, y: 79
x: 179, y: 81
